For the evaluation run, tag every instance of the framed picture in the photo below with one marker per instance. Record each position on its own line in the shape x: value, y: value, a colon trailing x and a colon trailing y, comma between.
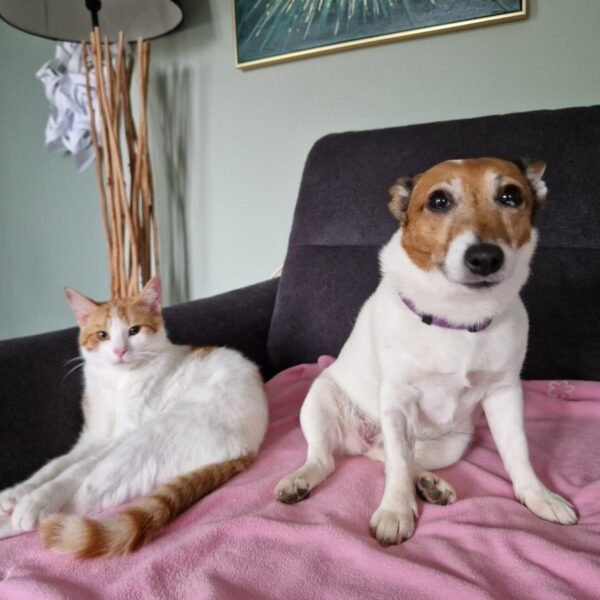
x: 272, y: 31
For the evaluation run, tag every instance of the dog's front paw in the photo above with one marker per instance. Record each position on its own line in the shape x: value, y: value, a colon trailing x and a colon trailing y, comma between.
x: 292, y: 489
x: 549, y: 506
x: 393, y: 526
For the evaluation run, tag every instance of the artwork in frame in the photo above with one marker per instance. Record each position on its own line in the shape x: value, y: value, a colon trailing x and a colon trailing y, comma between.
x: 272, y: 31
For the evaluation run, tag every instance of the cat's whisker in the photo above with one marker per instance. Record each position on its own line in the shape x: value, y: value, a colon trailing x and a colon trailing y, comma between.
x: 79, y: 366
x: 146, y: 353
x: 78, y: 357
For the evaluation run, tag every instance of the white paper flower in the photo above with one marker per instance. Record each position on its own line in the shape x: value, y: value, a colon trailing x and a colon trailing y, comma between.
x: 68, y: 128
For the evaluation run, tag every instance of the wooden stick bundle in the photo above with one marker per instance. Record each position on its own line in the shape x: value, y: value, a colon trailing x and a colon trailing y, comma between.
x: 128, y: 215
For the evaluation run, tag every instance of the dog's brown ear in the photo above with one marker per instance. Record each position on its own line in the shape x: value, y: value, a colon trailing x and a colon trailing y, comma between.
x: 534, y: 172
x: 400, y: 193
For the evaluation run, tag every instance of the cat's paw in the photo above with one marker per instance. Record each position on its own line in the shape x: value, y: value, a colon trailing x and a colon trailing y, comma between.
x: 393, y: 526
x: 10, y: 497
x: 34, y: 507
x: 6, y: 528
x: 549, y: 506
x: 292, y: 489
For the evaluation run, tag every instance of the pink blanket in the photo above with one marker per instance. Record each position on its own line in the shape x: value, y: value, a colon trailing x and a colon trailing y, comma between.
x: 240, y: 543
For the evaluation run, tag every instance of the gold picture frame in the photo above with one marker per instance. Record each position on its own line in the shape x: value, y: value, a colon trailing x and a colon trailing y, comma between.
x: 243, y: 38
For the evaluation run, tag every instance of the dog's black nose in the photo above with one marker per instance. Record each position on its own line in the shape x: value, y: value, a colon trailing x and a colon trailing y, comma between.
x: 484, y: 259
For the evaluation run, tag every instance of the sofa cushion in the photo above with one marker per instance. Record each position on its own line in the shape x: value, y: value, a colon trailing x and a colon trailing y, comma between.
x: 341, y: 220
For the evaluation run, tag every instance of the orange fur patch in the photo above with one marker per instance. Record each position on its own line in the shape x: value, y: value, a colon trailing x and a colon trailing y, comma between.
x: 128, y: 309
x: 50, y: 531
x: 143, y: 527
x: 427, y: 235
x: 78, y: 536
x: 97, y: 540
x: 130, y: 529
x: 203, y: 351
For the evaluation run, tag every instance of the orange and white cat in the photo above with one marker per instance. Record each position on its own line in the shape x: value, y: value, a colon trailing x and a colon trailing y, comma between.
x: 154, y: 413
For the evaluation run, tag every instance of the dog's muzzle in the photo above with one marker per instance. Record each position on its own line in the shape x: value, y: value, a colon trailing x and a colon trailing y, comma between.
x: 484, y: 259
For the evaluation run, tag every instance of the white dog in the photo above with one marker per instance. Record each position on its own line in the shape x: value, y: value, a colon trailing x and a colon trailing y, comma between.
x: 444, y: 334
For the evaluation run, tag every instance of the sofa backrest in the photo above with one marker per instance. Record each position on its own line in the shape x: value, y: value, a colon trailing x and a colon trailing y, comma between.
x: 341, y: 221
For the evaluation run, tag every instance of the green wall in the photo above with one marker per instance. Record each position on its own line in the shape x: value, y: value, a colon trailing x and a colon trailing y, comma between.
x: 228, y: 147
x: 50, y: 236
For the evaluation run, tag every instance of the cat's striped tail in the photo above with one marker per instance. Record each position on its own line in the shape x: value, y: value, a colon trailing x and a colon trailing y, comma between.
x: 134, y: 526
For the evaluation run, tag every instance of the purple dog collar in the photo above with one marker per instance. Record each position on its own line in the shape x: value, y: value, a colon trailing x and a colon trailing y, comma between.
x: 439, y: 322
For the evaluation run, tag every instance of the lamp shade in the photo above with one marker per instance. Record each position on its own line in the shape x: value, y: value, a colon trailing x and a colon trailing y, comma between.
x: 72, y: 20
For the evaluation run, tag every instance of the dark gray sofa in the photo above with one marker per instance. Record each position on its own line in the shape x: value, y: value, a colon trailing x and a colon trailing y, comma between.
x: 340, y: 222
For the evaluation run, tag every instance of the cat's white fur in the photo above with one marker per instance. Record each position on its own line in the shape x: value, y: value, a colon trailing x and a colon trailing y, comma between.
x: 162, y: 412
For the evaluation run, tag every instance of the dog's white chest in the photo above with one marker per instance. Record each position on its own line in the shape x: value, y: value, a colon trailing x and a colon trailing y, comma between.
x: 447, y: 398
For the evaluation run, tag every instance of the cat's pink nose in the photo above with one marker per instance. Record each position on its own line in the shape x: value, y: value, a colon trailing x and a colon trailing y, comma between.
x: 120, y: 352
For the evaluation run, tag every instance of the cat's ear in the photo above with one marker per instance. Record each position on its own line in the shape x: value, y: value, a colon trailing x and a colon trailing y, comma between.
x: 82, y: 307
x: 150, y: 296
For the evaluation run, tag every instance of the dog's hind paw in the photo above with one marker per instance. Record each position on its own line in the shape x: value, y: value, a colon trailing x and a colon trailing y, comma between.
x: 434, y: 489
x: 292, y: 489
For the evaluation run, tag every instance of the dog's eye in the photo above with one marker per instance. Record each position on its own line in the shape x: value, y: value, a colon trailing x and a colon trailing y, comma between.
x: 134, y: 330
x: 102, y: 335
x: 510, y: 196
x: 439, y: 201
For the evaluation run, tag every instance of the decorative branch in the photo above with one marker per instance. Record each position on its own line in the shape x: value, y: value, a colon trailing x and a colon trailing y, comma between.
x: 128, y: 215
